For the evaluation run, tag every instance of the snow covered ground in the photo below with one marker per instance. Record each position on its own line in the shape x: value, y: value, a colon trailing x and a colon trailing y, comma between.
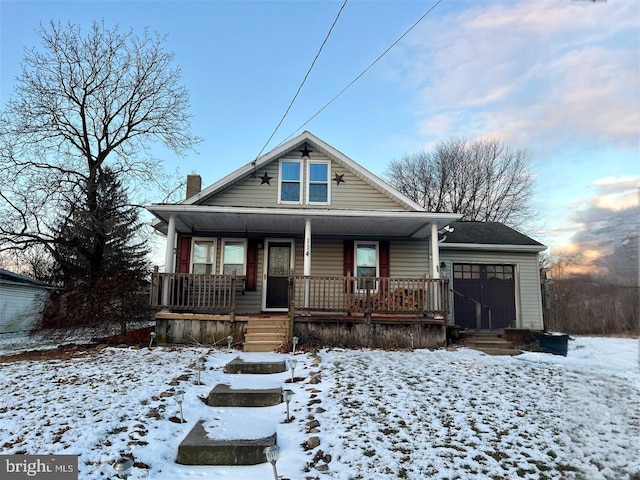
x: 444, y: 414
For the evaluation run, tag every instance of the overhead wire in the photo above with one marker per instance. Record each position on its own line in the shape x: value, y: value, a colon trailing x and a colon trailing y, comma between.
x: 365, y: 70
x: 304, y: 79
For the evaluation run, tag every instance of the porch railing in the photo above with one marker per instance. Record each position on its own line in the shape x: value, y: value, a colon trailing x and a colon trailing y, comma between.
x: 195, y: 292
x: 367, y: 295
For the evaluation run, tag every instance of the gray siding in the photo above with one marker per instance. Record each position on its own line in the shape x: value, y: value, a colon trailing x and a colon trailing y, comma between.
x: 407, y: 259
x: 528, y: 296
x: 354, y: 193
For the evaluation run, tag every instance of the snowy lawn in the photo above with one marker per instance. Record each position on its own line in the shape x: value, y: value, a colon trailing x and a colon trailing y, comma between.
x: 445, y: 414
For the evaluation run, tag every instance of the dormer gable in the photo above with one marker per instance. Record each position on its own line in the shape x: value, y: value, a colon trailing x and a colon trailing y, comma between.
x: 304, y: 172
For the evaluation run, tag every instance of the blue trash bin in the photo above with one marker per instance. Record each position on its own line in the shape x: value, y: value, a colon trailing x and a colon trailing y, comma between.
x: 555, y: 343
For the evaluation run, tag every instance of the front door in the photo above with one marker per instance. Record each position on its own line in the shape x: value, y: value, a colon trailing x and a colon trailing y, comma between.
x: 277, y: 270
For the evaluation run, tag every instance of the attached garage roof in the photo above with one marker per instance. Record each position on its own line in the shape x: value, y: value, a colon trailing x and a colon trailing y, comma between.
x: 488, y: 235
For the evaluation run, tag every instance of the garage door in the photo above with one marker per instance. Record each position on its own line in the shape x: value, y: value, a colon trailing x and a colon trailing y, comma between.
x: 493, y: 287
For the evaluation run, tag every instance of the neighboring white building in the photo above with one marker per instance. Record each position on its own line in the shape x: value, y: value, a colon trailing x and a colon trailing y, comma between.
x: 22, y: 300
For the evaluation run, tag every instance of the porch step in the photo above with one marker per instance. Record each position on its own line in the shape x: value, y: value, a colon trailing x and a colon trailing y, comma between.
x: 262, y: 346
x: 266, y: 334
x: 268, y: 328
x: 264, y: 337
x: 489, y: 343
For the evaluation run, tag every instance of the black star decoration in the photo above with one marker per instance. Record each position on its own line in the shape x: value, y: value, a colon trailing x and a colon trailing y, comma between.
x: 338, y: 179
x: 265, y: 179
x: 305, y: 151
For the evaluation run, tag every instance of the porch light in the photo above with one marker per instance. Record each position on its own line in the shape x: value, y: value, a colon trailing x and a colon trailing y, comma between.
x: 123, y: 467
x: 179, y: 398
x: 229, y: 341
x: 294, y: 340
x: 272, y: 453
x: 200, y: 366
x: 286, y: 396
x: 293, y: 363
x: 152, y: 337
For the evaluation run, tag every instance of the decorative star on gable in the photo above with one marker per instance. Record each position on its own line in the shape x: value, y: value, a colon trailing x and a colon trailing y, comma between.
x: 338, y: 179
x: 305, y: 151
x: 265, y: 179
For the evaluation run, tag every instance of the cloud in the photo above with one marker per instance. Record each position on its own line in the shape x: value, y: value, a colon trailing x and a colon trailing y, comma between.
x: 529, y: 72
x: 606, y: 225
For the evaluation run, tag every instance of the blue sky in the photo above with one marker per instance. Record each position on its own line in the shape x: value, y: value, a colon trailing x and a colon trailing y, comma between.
x: 558, y: 77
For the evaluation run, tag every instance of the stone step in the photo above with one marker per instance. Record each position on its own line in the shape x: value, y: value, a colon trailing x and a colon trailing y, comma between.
x: 201, y: 448
x: 223, y: 395
x: 238, y: 365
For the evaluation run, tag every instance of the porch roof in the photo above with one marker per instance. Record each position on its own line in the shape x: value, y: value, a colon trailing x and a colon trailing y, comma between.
x: 200, y: 219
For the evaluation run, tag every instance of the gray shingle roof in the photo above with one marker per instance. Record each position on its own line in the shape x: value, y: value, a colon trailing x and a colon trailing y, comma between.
x: 487, y: 233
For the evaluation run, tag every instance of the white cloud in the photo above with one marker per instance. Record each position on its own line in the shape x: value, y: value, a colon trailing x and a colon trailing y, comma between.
x: 530, y: 72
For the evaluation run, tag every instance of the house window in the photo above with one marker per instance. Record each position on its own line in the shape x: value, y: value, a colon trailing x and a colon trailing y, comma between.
x: 203, y: 256
x: 290, y: 181
x: 366, y: 261
x: 233, y: 257
x: 318, y: 175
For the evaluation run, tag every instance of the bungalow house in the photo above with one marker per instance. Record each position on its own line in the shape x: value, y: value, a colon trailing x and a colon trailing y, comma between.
x: 22, y: 300
x: 304, y: 242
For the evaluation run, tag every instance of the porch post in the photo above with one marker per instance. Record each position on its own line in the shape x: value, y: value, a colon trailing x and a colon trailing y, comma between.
x: 435, y: 268
x: 307, y: 260
x: 435, y: 252
x: 168, y: 258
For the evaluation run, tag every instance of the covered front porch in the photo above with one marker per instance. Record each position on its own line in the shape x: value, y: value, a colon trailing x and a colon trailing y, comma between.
x: 313, y: 266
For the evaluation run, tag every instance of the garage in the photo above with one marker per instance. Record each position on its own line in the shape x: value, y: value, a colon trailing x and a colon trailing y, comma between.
x: 484, y: 296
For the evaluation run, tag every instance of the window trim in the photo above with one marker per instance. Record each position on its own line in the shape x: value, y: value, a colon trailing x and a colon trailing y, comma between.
x: 280, y: 181
x: 244, y: 242
x: 193, y: 250
x: 308, y: 182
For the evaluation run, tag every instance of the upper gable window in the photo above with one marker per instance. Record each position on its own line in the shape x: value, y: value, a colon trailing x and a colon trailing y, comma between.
x: 318, y: 179
x: 290, y: 184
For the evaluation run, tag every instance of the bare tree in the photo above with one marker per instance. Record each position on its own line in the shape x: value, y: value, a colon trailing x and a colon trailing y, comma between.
x: 82, y: 102
x: 485, y: 180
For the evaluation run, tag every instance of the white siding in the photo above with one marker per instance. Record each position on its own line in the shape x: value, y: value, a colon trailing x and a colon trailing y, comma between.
x: 20, y: 306
x: 528, y: 295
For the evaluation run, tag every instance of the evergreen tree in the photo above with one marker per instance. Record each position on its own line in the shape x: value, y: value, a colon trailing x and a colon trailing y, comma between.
x: 102, y: 261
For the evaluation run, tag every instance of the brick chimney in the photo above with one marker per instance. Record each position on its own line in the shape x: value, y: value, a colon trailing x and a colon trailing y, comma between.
x: 194, y: 185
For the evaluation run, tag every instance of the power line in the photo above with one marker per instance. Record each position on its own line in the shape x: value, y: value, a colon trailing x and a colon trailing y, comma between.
x: 364, y: 71
x: 304, y: 79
